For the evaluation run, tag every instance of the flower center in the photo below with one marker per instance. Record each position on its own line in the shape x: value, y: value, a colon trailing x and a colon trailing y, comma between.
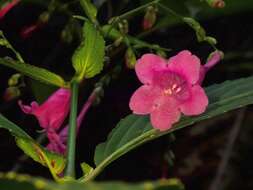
x: 175, y: 89
x: 172, y: 84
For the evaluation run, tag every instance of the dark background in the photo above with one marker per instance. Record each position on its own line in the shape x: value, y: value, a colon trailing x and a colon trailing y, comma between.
x: 198, y: 151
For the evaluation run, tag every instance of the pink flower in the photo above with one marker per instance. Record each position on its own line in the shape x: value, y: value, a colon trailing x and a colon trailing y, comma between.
x: 169, y: 89
x: 52, y: 112
x: 58, y: 145
x: 7, y: 7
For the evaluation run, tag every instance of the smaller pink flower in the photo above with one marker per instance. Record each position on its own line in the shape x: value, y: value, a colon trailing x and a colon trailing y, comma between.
x: 53, y: 111
x: 170, y: 87
x: 7, y: 7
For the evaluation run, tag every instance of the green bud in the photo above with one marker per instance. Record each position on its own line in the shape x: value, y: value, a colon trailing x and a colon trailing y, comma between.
x: 14, y: 79
x: 130, y: 58
x: 123, y: 26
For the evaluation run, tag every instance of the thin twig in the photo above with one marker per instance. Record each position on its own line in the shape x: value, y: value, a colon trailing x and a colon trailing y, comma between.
x: 217, y: 182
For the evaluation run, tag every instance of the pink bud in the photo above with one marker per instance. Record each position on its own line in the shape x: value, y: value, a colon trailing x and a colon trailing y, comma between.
x: 149, y: 18
x: 212, y: 60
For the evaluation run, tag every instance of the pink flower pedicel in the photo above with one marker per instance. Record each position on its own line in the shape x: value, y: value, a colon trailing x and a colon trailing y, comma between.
x: 169, y: 88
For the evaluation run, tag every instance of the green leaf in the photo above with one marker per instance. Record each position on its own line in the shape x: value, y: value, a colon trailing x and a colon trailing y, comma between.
x: 13, y: 181
x: 86, y: 168
x: 89, y: 57
x: 54, y: 162
x: 34, y: 72
x: 89, y: 9
x: 134, y: 130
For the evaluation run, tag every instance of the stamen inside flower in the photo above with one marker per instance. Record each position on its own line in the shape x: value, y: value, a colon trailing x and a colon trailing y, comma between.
x: 167, y: 91
x: 172, y: 84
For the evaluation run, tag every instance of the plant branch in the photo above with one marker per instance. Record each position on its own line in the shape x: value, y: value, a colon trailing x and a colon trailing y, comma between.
x: 217, y: 182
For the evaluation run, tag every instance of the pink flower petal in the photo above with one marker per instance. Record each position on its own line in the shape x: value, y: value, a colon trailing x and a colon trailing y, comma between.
x: 146, y: 65
x: 53, y: 111
x: 142, y: 100
x: 166, y: 114
x: 28, y: 109
x: 202, y: 74
x: 185, y: 64
x: 197, y: 103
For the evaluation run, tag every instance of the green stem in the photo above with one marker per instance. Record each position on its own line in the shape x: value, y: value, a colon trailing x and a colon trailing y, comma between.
x: 8, y: 45
x: 70, y: 168
x: 135, y: 11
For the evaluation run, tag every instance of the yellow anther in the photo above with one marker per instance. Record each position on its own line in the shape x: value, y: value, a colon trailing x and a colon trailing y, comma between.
x: 168, y: 91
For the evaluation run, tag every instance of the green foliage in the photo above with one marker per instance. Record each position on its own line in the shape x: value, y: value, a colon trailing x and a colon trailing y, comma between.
x: 89, y: 57
x: 12, y: 181
x: 89, y: 9
x: 86, y: 168
x: 199, y: 30
x: 34, y: 72
x: 110, y: 32
x: 134, y: 130
x: 198, y: 10
x: 54, y: 162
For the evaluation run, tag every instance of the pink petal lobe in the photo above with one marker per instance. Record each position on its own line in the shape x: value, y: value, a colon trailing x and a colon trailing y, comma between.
x: 197, y: 103
x: 146, y: 66
x: 186, y: 64
x: 166, y: 114
x: 142, y: 100
x: 28, y: 109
